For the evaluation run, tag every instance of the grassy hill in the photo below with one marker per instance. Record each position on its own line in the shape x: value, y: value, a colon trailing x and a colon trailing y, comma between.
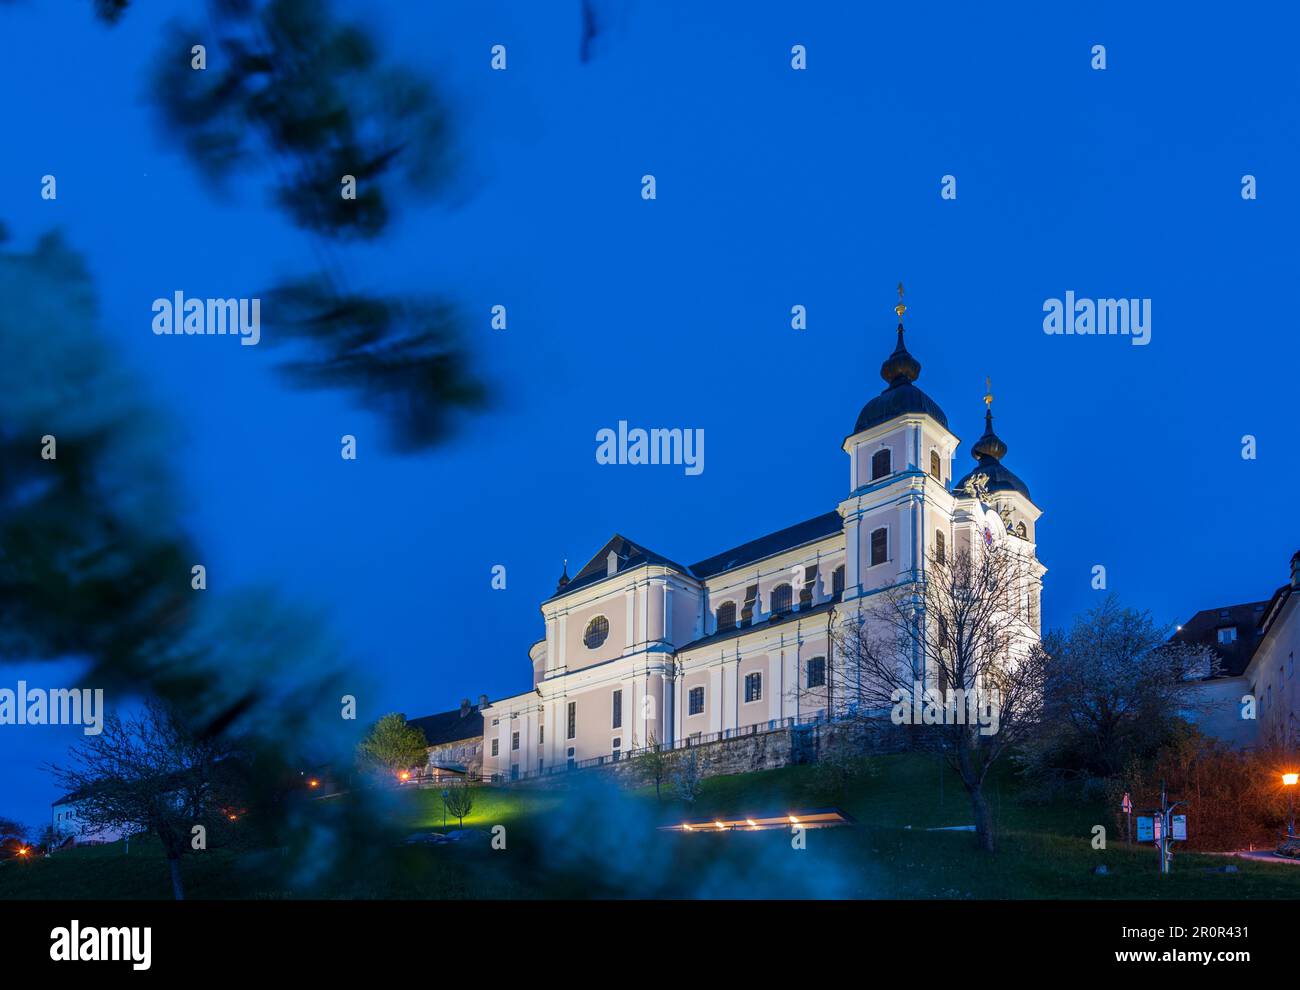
x: 588, y: 839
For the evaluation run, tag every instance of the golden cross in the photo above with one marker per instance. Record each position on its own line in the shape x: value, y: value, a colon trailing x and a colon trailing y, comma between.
x: 900, y: 309
x: 988, y: 392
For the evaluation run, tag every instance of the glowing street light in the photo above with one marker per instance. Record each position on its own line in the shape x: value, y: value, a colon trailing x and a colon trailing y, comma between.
x: 1289, y: 781
x: 313, y: 783
x: 405, y: 775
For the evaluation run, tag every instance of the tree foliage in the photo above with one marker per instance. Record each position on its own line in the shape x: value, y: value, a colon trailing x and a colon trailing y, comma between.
x: 395, y: 745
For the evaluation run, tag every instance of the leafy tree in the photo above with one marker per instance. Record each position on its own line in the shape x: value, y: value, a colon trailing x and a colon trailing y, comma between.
x: 459, y: 800
x: 395, y: 745
x: 151, y: 773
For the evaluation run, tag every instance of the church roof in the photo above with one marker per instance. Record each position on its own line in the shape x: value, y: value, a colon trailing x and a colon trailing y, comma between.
x: 817, y: 528
x: 447, y: 727
x: 901, y: 396
x: 988, y: 452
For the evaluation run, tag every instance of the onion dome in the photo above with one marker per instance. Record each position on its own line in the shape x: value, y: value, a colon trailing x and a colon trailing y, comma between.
x: 988, y: 453
x: 564, y: 579
x: 900, y: 396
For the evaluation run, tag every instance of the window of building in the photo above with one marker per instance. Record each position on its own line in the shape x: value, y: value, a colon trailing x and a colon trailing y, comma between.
x: 880, y: 464
x: 879, y: 546
x: 940, y: 547
x: 1021, y: 531
x: 573, y: 720
x: 751, y: 599
x: 936, y: 471
x: 726, y: 616
x: 695, y: 702
x: 817, y: 672
x: 597, y: 632
x: 541, y: 734
x: 617, y: 747
x: 496, y: 747
x: 753, y: 687
x: 1228, y: 635
x: 809, y: 586
x: 781, y: 598
x: 617, y: 722
x: 837, y: 580
x: 514, y: 740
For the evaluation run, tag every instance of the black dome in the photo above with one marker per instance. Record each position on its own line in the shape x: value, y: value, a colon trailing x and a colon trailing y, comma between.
x: 896, y: 401
x: 988, y: 452
x: 900, y: 370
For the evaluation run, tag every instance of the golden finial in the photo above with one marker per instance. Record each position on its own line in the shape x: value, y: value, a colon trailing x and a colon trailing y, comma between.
x: 900, y: 309
x: 988, y: 392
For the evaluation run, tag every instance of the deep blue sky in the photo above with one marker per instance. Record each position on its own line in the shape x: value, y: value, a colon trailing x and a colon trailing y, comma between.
x: 775, y: 187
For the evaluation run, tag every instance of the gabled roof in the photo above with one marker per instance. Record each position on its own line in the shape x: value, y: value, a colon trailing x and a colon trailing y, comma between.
x: 449, y: 727
x: 817, y: 528
x: 1203, y: 629
x: 629, y: 555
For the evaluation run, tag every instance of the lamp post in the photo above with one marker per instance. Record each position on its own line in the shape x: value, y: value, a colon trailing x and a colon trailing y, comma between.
x: 1289, y: 781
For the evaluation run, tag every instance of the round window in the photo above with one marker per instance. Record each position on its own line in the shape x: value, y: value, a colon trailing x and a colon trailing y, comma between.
x: 597, y: 632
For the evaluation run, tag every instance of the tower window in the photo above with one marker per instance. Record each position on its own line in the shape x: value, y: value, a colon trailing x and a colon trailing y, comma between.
x: 781, y: 597
x: 880, y: 464
x: 879, y: 546
x: 940, y: 547
x: 753, y: 687
x: 597, y: 632
x: 837, y: 580
x: 936, y: 471
x: 1021, y: 531
x: 726, y: 616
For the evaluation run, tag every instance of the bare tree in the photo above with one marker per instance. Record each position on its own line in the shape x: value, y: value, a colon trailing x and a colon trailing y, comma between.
x: 954, y: 654
x: 459, y: 799
x: 150, y: 773
x: 656, y: 763
x: 688, y: 776
x: 1116, y: 682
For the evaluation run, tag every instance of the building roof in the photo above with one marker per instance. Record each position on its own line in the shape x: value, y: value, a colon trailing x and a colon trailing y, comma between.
x: 988, y: 452
x: 901, y: 396
x: 808, y: 531
x: 629, y: 555
x: 1202, y: 629
x: 461, y: 723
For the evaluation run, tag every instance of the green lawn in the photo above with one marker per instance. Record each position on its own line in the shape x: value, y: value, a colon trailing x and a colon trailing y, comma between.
x: 588, y: 839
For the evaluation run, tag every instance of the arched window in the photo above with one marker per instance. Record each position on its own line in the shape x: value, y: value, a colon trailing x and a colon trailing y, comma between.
x: 880, y: 464
x: 726, y: 616
x: 837, y: 580
x: 597, y: 632
x: 879, y: 546
x: 936, y: 470
x: 781, y: 596
x: 940, y: 546
x: 1021, y: 531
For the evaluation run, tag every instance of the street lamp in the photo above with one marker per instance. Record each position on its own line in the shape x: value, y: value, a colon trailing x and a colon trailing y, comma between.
x: 1289, y: 781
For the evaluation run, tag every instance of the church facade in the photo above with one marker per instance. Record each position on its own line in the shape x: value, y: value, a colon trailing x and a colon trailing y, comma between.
x: 641, y: 649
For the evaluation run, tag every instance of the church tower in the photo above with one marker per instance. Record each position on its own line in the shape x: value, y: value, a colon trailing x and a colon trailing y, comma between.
x: 899, y: 506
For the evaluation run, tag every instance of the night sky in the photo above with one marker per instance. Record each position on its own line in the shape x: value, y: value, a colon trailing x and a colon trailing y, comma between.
x: 775, y: 188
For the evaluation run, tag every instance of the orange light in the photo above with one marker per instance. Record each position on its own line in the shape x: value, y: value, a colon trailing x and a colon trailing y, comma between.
x: 686, y: 827
x: 405, y: 775
x: 719, y: 825
x: 1290, y: 779
x: 23, y: 851
x: 313, y: 782
x: 234, y: 818
x: 793, y: 820
x: 750, y: 823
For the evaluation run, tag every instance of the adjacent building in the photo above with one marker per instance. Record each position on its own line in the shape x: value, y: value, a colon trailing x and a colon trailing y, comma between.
x: 455, y: 741
x: 642, y: 649
x: 1252, y: 698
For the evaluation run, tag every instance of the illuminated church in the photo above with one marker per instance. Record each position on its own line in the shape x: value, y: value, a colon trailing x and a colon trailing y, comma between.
x: 641, y: 649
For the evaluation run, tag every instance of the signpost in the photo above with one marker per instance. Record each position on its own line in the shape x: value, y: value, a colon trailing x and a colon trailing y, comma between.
x: 1127, y: 807
x: 1146, y: 831
x: 1161, y: 827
